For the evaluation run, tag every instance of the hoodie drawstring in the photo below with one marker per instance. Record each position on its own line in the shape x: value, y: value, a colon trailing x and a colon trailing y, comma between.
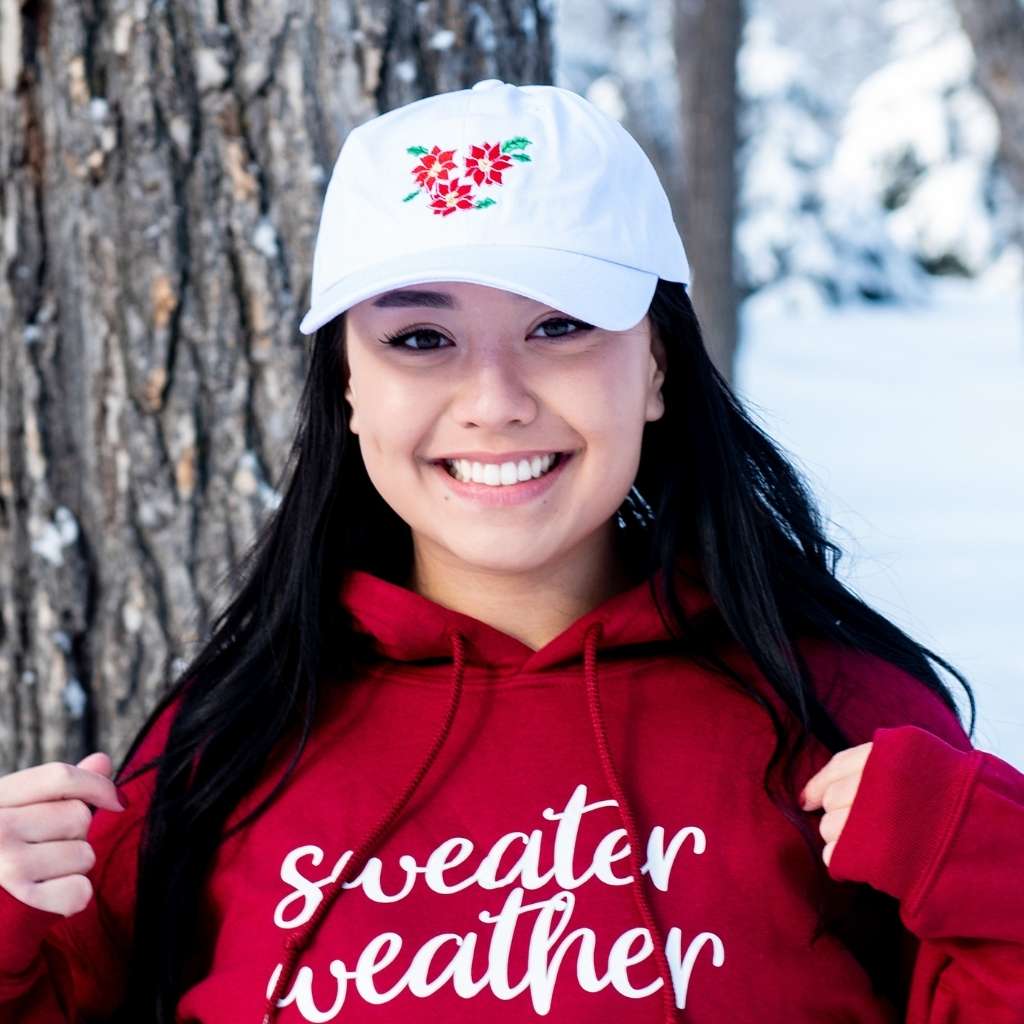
x: 300, y: 939
x: 591, y: 638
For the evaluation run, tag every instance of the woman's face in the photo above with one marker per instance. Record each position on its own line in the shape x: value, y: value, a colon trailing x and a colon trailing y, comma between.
x: 459, y: 419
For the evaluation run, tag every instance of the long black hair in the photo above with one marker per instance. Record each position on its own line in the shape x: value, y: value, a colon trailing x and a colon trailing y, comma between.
x: 722, y: 493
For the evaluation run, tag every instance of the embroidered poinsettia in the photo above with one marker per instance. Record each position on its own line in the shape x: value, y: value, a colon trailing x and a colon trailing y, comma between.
x: 450, y: 196
x: 433, y: 166
x: 483, y: 166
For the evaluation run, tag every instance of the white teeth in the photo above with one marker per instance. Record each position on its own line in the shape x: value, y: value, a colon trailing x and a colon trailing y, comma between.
x: 501, y: 474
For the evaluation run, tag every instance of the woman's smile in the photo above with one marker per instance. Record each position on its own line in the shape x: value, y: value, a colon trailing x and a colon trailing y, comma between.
x: 515, y: 479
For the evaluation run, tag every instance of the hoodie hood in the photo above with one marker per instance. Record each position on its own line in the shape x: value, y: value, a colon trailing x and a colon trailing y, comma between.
x: 407, y: 627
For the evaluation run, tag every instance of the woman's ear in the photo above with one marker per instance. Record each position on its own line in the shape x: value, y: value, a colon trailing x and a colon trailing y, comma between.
x: 346, y: 369
x: 353, y: 424
x: 655, y: 408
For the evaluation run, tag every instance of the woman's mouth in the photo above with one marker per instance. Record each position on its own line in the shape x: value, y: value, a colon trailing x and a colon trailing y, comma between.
x: 502, y: 474
x: 513, y: 482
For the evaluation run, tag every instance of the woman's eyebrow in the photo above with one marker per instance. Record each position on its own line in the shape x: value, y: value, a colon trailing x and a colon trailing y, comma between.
x: 415, y: 297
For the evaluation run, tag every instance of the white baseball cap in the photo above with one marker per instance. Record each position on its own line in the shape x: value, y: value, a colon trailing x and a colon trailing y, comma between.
x: 528, y: 188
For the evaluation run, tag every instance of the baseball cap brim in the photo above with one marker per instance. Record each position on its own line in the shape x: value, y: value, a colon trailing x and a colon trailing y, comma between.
x: 599, y: 292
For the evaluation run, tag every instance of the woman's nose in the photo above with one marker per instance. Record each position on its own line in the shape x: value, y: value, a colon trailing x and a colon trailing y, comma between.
x: 493, y: 393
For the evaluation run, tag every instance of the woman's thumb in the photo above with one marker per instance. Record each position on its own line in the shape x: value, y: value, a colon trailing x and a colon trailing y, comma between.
x: 98, y: 762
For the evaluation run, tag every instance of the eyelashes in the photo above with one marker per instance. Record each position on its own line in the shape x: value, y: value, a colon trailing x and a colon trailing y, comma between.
x: 398, y: 339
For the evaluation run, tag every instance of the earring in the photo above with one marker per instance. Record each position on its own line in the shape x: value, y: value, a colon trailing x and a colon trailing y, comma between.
x: 638, y: 507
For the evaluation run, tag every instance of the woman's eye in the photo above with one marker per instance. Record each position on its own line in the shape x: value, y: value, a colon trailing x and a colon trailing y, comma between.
x: 577, y: 324
x: 399, y: 340
x: 403, y: 338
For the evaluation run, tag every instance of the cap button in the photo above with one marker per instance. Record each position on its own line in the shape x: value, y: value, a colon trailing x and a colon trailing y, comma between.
x: 487, y: 83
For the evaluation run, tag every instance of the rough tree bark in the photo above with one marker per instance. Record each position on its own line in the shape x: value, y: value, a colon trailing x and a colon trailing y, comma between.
x: 161, y: 171
x: 707, y: 38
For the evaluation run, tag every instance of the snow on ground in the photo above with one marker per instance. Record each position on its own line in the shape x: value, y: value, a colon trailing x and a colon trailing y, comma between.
x: 908, y: 423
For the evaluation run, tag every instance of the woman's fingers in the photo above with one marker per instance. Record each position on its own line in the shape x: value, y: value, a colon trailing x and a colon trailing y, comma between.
x: 41, y: 862
x: 40, y: 823
x: 67, y: 895
x: 56, y: 780
x: 831, y: 824
x: 45, y: 815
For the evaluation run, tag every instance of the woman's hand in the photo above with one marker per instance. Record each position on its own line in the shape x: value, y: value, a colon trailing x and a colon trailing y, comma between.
x: 44, y: 819
x: 833, y: 789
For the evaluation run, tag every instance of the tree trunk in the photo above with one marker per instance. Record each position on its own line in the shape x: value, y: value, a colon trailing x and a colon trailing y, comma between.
x: 161, y: 172
x: 996, y: 31
x: 707, y: 37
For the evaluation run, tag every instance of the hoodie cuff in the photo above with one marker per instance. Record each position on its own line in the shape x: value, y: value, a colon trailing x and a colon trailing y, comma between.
x: 22, y: 931
x: 910, y: 802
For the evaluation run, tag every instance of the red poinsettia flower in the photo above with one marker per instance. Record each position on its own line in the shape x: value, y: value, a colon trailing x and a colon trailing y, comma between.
x: 433, y: 167
x: 485, y: 164
x: 451, y: 196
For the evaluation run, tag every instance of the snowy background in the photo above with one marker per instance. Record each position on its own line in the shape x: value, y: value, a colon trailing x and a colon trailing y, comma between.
x: 882, y: 342
x: 908, y: 423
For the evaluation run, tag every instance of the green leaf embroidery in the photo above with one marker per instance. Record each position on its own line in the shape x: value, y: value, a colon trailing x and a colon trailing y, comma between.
x: 417, y: 150
x: 519, y: 142
x: 412, y: 195
x: 484, y: 202
x: 522, y: 158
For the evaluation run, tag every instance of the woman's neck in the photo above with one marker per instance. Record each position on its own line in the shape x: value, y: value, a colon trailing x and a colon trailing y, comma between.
x: 533, y: 606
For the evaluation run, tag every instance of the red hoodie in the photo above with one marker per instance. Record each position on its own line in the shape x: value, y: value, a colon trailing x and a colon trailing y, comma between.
x: 578, y: 833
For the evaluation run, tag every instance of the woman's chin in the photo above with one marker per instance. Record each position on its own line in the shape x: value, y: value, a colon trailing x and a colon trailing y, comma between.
x: 501, y: 555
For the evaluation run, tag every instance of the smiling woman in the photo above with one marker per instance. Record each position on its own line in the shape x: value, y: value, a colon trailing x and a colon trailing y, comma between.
x: 534, y: 567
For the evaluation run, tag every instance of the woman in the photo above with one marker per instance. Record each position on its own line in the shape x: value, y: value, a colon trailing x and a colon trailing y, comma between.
x: 540, y: 696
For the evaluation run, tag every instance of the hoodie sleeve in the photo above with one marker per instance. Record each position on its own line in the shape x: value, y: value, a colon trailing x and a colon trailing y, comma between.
x: 939, y: 825
x: 56, y: 969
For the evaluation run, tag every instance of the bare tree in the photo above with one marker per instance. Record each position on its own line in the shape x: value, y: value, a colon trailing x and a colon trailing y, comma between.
x: 707, y: 37
x: 161, y: 173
